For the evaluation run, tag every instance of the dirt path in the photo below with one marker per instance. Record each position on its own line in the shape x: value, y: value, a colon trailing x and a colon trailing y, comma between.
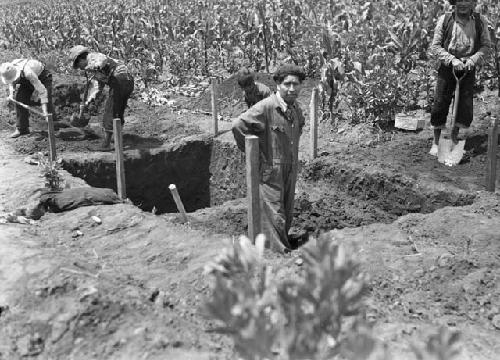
x: 131, y: 286
x: 128, y: 288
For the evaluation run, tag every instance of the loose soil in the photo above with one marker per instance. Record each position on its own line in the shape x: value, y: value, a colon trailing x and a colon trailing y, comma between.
x: 131, y: 287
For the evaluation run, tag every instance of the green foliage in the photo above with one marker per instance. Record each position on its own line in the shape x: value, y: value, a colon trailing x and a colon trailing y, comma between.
x: 299, y: 318
x: 441, y: 346
x: 305, y: 315
x: 382, y: 45
x: 49, y: 170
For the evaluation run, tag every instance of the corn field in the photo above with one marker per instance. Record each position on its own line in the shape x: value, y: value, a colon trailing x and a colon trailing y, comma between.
x: 378, y: 42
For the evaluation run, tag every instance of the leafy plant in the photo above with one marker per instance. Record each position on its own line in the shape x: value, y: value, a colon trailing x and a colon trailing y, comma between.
x: 382, y: 46
x: 304, y: 316
x: 49, y: 170
x: 299, y: 318
x: 444, y: 345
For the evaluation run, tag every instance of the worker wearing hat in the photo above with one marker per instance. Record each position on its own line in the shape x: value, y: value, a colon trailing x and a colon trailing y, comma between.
x: 103, y: 70
x: 31, y: 79
x: 461, y: 43
x: 254, y: 91
x: 278, y: 121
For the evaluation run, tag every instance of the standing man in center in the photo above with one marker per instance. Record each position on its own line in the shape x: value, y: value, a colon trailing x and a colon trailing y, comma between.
x: 277, y: 121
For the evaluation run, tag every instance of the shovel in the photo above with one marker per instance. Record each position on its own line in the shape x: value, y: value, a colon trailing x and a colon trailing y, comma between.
x: 77, y: 119
x: 448, y: 153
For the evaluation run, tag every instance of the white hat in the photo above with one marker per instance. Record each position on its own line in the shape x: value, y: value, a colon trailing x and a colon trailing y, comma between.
x: 9, y: 73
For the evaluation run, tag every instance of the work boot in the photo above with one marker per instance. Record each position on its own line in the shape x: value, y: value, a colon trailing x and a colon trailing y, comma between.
x: 106, y: 143
x: 434, y: 150
x: 18, y: 133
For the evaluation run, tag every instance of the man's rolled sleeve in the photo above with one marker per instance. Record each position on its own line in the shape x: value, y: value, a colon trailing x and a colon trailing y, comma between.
x: 483, y: 52
x: 251, y: 122
x: 95, y: 88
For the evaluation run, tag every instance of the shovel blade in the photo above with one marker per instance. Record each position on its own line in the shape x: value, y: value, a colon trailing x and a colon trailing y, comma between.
x: 444, y: 149
x: 456, y: 154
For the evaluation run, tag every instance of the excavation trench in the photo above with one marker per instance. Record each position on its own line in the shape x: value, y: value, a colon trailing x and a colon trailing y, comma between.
x: 199, y: 169
x: 208, y: 173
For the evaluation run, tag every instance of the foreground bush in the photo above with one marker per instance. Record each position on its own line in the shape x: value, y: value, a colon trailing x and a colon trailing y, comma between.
x: 314, y: 315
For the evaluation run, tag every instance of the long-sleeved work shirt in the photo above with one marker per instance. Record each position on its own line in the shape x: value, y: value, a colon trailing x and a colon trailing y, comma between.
x: 101, y: 68
x: 278, y: 127
x: 462, y: 42
x: 30, y: 70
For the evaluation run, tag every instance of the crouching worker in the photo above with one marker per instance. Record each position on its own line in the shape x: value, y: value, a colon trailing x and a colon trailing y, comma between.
x: 103, y: 70
x: 254, y: 91
x: 461, y: 43
x: 277, y: 121
x: 31, y: 80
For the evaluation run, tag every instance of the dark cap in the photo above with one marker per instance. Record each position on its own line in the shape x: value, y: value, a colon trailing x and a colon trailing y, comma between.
x: 245, y: 77
x: 288, y: 69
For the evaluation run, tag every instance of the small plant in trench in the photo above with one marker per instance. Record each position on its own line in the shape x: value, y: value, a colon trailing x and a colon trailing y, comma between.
x: 303, y: 317
x: 49, y: 170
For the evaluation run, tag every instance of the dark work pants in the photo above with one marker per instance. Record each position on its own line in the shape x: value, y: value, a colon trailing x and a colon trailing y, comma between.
x: 445, y: 92
x: 23, y: 95
x: 120, y: 89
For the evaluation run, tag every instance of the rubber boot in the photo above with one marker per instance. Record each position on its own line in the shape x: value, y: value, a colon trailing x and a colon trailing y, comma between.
x: 106, y: 143
x: 18, y: 133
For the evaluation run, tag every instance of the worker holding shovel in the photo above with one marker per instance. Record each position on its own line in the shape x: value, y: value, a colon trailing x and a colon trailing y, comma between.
x: 461, y: 43
x: 103, y: 70
x: 31, y: 80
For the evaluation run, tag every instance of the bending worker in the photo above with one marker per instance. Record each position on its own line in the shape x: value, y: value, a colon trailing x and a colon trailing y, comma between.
x: 461, y: 43
x: 254, y: 91
x: 32, y: 81
x: 277, y: 121
x: 105, y: 71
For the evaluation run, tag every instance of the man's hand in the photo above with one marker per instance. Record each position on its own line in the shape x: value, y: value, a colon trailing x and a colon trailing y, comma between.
x: 469, y: 65
x: 458, y: 65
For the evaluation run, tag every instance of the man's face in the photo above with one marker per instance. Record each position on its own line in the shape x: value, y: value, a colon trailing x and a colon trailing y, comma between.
x: 81, y: 63
x: 289, y: 88
x: 464, y: 7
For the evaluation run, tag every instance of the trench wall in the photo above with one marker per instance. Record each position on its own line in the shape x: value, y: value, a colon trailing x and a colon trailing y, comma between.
x: 208, y: 172
x: 149, y: 173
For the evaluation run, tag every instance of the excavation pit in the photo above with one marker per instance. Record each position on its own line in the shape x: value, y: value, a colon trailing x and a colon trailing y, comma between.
x: 204, y: 174
x: 209, y: 173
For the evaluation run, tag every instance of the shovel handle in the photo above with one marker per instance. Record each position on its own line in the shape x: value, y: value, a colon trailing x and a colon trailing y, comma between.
x: 459, y: 78
x: 33, y: 110
x: 457, y: 95
x: 82, y: 109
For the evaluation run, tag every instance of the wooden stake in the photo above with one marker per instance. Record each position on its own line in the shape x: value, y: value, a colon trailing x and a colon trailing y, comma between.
x: 491, y: 163
x: 253, y: 197
x: 52, y: 137
x: 178, y: 202
x: 313, y: 116
x: 214, y: 106
x: 120, y: 168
